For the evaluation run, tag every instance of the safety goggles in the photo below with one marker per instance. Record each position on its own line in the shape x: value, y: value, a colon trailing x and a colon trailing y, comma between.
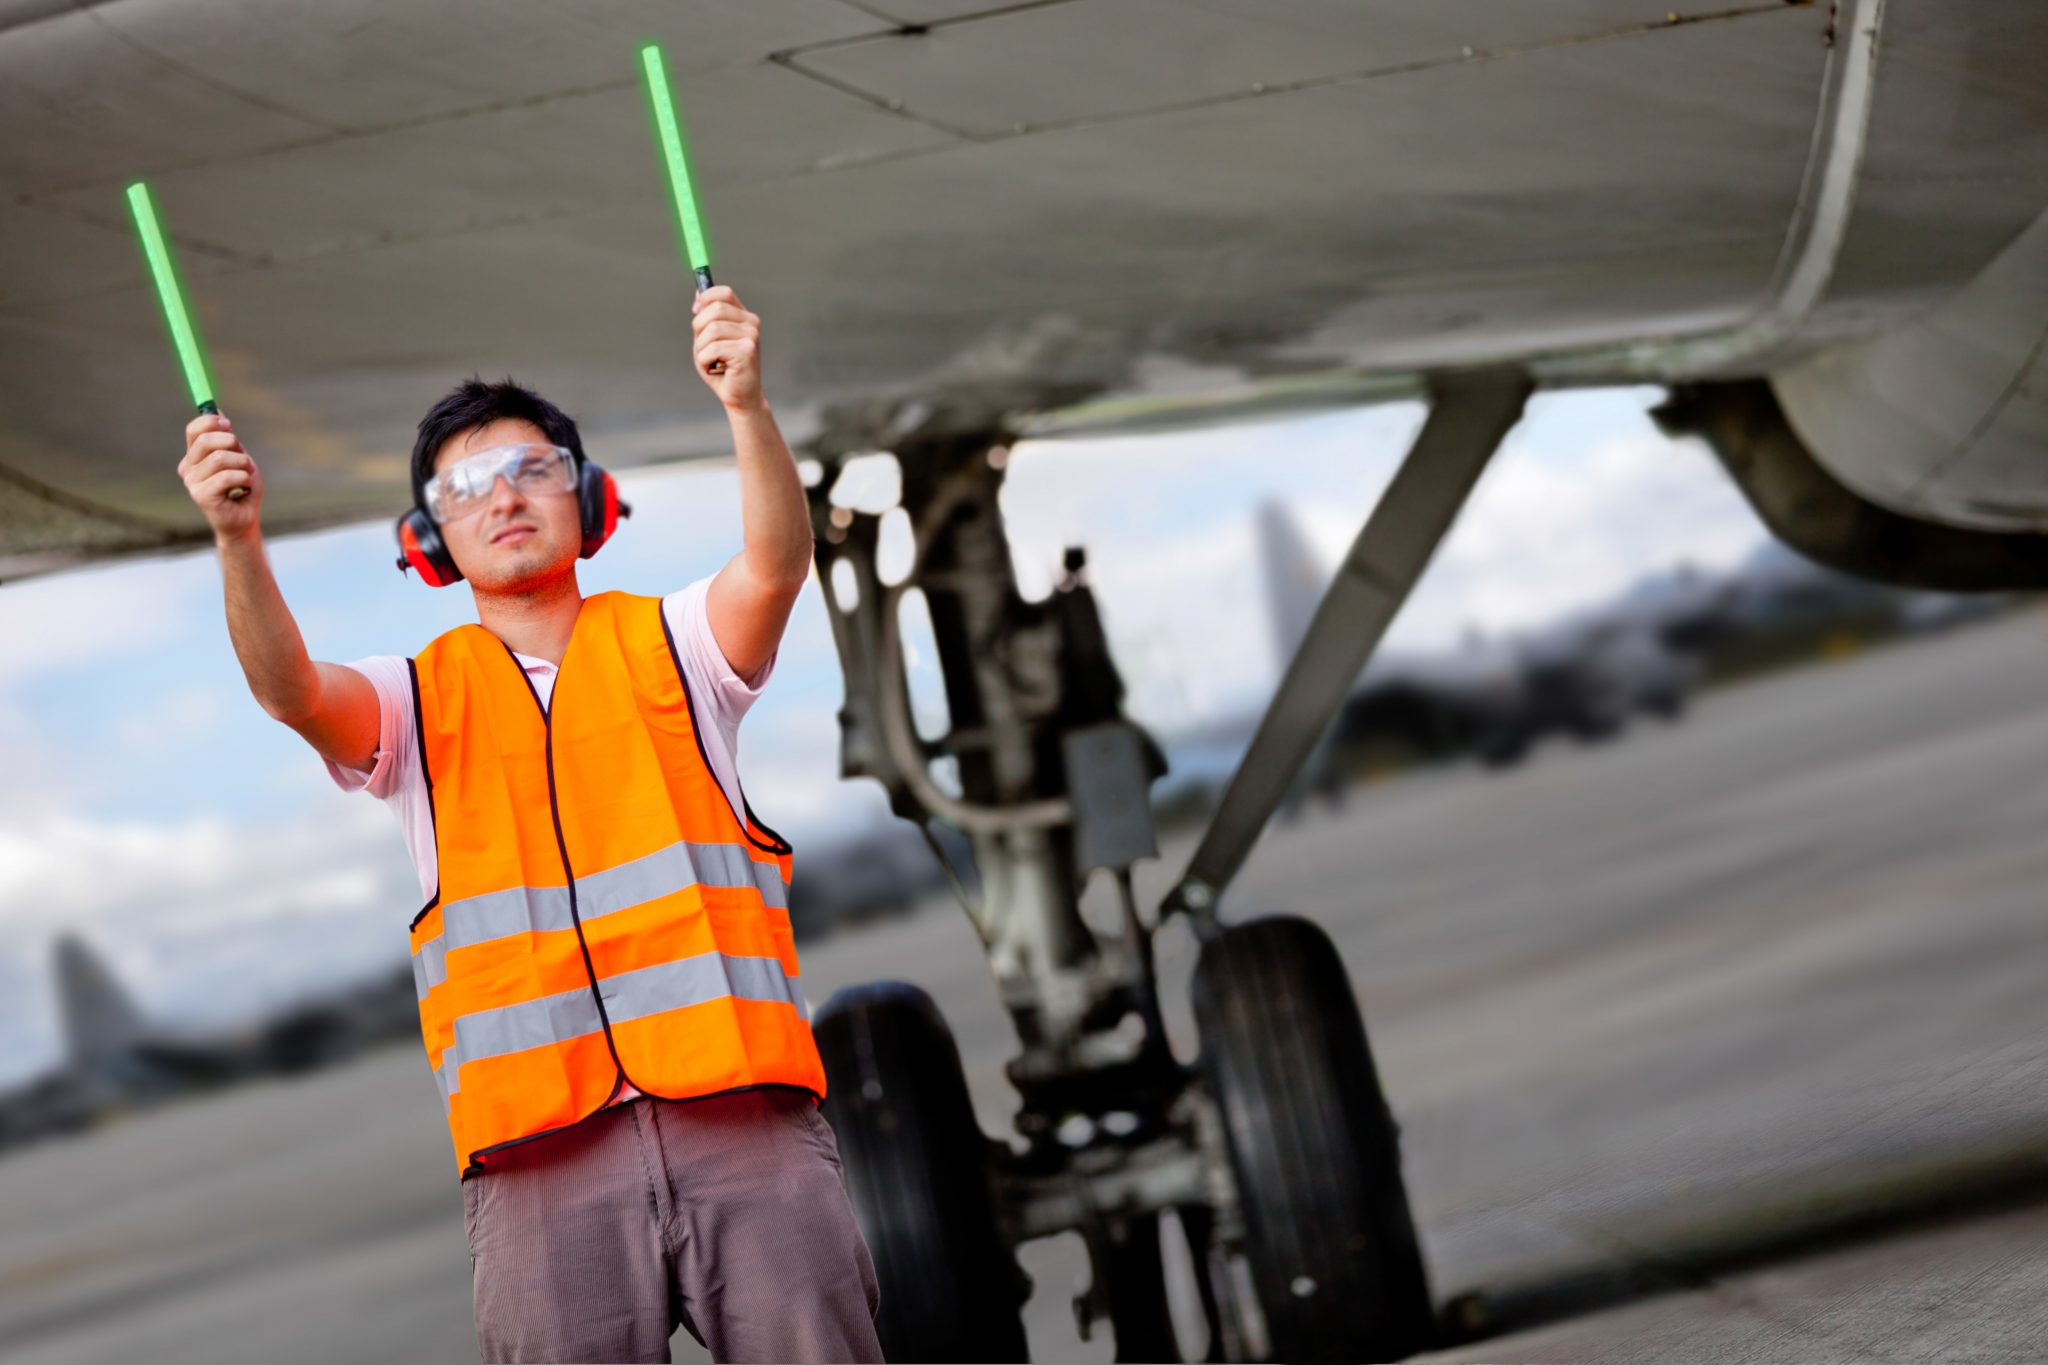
x: 465, y: 486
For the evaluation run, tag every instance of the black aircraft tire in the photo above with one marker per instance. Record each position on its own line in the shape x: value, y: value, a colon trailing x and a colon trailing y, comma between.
x: 916, y: 1166
x: 1331, y: 1244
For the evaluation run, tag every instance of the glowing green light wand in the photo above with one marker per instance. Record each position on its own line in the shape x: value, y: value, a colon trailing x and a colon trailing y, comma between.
x: 668, y: 135
x: 182, y: 335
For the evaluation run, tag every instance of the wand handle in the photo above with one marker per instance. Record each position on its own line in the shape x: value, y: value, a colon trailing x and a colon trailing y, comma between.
x: 704, y: 283
x: 212, y: 409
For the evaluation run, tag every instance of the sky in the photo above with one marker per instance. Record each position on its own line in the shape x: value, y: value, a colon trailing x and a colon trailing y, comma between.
x: 153, y: 808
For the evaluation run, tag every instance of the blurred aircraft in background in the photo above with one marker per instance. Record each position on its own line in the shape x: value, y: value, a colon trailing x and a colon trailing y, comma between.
x: 1584, y: 675
x: 879, y: 867
x: 116, y: 1059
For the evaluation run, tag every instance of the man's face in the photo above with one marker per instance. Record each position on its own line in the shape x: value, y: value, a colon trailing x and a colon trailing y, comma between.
x: 518, y: 538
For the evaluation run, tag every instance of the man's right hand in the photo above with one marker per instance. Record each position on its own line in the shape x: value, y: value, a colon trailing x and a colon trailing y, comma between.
x: 333, y: 706
x: 215, y: 463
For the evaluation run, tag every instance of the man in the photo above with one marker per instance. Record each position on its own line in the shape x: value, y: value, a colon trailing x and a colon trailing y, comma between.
x: 608, y: 990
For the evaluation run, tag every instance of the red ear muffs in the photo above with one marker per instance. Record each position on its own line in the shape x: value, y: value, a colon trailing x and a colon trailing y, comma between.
x: 420, y: 547
x: 597, y: 498
x: 597, y: 503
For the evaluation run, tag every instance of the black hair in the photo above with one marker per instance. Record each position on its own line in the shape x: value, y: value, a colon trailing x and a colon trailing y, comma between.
x: 476, y: 403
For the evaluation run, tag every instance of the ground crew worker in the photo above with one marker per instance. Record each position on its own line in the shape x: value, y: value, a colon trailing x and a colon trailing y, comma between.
x: 608, y: 991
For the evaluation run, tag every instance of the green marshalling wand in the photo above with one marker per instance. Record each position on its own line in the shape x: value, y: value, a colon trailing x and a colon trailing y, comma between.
x: 183, y: 337
x: 668, y: 135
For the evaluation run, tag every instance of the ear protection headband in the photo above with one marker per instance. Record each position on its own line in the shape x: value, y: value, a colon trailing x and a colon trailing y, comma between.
x: 420, y: 545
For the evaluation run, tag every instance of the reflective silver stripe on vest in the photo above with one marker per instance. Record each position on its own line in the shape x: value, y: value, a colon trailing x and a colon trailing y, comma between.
x: 673, y: 868
x: 629, y: 995
x: 694, y: 980
x: 524, y: 909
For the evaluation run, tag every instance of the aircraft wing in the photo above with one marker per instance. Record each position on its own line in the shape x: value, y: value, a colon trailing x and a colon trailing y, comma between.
x: 954, y: 215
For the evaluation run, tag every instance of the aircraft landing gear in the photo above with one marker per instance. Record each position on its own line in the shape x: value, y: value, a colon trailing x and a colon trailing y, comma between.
x: 1276, y: 1154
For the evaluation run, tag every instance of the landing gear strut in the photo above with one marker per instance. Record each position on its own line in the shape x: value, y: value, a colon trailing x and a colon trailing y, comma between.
x: 1276, y: 1154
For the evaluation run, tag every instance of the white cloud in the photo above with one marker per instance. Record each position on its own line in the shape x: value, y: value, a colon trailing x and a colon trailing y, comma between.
x: 174, y: 714
x: 38, y: 777
x: 105, y: 613
x: 64, y: 867
x: 1585, y: 498
x: 203, y: 918
x: 1541, y: 538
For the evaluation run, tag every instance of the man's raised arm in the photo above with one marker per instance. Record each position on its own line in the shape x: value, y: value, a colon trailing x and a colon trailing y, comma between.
x: 333, y: 707
x: 749, y: 600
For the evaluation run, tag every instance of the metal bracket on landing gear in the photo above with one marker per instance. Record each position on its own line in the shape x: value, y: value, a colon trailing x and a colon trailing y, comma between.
x: 1469, y: 414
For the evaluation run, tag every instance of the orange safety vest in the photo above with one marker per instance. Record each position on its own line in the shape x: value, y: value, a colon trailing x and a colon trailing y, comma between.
x: 603, y: 916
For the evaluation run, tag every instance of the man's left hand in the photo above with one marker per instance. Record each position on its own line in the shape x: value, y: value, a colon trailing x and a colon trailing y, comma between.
x: 726, y: 331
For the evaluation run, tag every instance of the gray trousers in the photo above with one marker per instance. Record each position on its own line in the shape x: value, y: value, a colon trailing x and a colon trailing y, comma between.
x: 725, y: 1215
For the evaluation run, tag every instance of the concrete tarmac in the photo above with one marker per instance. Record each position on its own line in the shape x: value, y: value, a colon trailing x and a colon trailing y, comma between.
x: 1722, y: 1042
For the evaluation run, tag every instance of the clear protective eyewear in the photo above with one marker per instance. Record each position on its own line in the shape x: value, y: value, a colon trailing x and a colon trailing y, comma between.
x: 465, y: 486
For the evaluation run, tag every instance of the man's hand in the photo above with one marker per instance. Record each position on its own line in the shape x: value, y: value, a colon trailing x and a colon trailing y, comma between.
x: 214, y: 463
x: 725, y: 331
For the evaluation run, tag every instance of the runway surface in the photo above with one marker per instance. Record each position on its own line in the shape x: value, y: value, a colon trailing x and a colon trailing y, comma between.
x: 1723, y: 1042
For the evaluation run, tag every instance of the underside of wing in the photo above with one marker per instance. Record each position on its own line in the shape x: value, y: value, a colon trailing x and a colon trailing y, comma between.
x: 961, y: 216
